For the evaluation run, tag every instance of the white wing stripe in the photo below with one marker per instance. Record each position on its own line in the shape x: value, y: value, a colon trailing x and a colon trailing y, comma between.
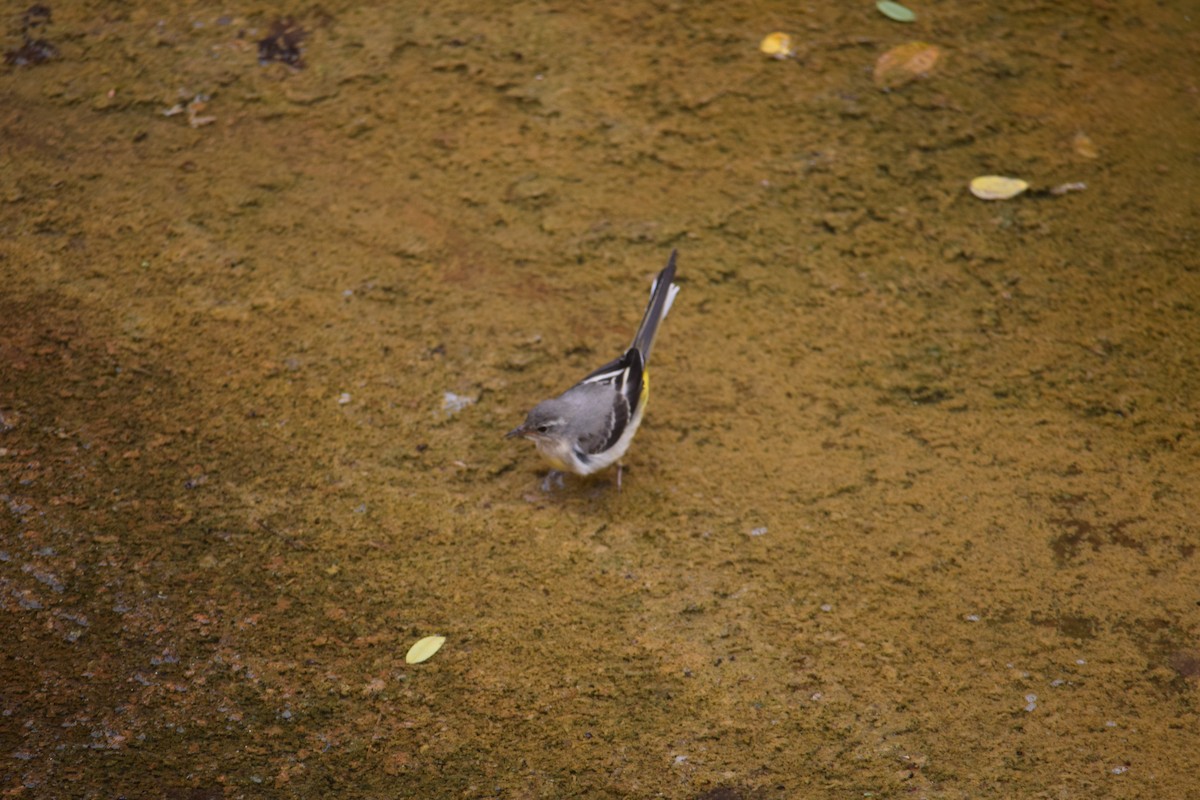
x: 607, y: 377
x: 674, y: 290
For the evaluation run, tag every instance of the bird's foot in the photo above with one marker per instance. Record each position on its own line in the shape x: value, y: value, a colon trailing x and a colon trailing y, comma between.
x: 553, y: 477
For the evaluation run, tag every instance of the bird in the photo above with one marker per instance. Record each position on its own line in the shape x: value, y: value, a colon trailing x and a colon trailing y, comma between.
x: 590, y: 426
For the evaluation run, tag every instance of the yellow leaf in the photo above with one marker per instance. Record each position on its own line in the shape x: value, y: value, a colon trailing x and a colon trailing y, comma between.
x: 424, y: 649
x: 777, y: 45
x: 997, y: 187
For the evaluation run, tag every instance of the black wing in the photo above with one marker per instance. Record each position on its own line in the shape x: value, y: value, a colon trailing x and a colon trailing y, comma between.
x: 625, y: 376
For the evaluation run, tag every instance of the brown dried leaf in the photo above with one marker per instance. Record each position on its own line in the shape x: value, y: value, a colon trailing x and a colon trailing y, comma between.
x: 905, y: 63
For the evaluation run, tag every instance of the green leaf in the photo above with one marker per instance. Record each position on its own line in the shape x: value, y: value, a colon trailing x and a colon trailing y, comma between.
x: 895, y: 11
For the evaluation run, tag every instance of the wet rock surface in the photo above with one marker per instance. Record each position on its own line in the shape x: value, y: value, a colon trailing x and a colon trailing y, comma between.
x: 912, y: 512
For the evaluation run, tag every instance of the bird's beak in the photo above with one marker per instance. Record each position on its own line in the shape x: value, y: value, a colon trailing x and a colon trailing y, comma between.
x: 517, y: 431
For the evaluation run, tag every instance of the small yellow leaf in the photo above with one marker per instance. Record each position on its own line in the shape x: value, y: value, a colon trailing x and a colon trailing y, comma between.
x: 777, y: 45
x: 424, y: 649
x: 997, y: 187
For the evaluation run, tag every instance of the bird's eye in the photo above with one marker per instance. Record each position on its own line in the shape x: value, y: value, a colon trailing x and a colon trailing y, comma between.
x: 543, y: 428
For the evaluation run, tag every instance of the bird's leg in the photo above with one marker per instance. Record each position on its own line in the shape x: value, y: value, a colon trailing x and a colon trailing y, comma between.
x: 620, y: 468
x: 552, y: 477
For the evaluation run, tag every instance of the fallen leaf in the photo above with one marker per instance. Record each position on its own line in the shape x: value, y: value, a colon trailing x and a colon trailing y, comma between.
x: 777, y: 45
x: 1083, y: 146
x: 895, y: 11
x: 905, y: 63
x: 424, y: 649
x: 997, y: 187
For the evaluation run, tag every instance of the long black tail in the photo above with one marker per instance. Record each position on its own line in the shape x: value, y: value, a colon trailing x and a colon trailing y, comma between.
x: 662, y: 294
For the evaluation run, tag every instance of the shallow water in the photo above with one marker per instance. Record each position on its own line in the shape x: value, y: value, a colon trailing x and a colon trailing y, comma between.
x: 913, y: 510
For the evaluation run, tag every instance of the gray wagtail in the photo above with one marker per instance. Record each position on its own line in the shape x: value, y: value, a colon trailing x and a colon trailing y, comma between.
x: 589, y: 426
